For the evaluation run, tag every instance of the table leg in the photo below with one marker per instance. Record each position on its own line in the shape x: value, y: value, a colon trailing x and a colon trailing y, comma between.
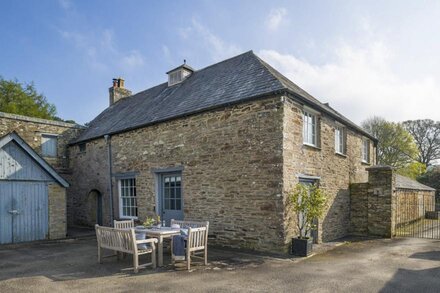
x: 160, y: 252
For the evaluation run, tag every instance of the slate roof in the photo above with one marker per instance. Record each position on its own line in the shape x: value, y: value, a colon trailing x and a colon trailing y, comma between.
x: 408, y: 183
x: 242, y: 78
x: 13, y: 136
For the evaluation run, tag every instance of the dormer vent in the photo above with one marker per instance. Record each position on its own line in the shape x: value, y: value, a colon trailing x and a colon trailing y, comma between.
x: 179, y: 74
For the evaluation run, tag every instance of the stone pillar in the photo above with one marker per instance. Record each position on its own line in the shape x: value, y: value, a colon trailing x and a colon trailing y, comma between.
x: 381, y: 201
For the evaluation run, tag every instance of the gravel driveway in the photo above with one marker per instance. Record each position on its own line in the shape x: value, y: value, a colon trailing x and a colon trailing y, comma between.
x: 398, y: 265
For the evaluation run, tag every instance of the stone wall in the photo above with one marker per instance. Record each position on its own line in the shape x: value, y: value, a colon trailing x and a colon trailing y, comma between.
x: 232, y: 171
x: 31, y: 130
x: 57, y: 211
x: 381, y: 199
x: 359, y: 208
x: 377, y: 207
x: 335, y: 171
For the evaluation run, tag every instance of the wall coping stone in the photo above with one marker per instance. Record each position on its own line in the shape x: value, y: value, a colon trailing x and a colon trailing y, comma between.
x: 39, y: 120
x: 380, y: 167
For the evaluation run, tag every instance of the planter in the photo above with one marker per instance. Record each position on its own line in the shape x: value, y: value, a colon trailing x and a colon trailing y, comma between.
x: 141, y: 236
x: 302, y: 247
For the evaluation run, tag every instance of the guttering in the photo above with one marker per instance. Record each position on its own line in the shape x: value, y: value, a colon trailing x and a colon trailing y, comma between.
x: 107, y: 139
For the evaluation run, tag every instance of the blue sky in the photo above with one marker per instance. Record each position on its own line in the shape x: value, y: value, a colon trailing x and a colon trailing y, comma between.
x: 364, y: 57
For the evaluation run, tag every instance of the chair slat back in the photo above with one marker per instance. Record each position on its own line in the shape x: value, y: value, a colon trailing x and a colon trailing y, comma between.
x: 120, y: 239
x: 190, y: 224
x: 197, y: 238
x: 125, y: 224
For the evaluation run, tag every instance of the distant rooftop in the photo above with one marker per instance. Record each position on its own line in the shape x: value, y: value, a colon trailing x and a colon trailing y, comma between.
x: 408, y: 183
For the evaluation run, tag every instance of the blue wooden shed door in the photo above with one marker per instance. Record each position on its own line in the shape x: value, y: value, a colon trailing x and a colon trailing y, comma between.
x: 23, y: 211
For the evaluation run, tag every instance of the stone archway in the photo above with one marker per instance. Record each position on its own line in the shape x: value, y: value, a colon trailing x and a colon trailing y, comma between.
x: 94, y: 207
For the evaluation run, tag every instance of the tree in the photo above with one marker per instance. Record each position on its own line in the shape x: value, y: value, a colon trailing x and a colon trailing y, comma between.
x: 432, y: 179
x: 426, y: 134
x: 23, y: 99
x: 413, y: 170
x: 308, y: 202
x: 396, y: 146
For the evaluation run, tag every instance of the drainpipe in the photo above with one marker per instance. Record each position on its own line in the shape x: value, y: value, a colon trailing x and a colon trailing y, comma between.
x: 377, y: 152
x: 110, y: 173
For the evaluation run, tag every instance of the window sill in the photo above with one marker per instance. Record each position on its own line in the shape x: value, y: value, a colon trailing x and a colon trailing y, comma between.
x: 311, y: 146
x: 365, y: 163
x: 341, y: 155
x: 128, y: 218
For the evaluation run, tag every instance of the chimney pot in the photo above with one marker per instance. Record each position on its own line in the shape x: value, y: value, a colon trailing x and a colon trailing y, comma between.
x: 118, y: 91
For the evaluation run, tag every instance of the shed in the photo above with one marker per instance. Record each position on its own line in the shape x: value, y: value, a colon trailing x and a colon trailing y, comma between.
x: 32, y: 194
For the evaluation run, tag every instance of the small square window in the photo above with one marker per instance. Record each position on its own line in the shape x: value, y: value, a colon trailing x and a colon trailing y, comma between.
x: 49, y: 144
x: 82, y: 147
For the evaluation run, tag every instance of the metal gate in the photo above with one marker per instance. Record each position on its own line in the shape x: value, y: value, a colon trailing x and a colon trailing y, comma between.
x: 23, y: 211
x: 416, y: 216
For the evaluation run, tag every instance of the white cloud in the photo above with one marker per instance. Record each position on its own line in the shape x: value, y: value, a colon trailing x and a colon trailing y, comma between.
x: 275, y: 18
x: 65, y: 4
x: 102, y: 53
x: 132, y: 60
x: 199, y: 34
x: 361, y: 83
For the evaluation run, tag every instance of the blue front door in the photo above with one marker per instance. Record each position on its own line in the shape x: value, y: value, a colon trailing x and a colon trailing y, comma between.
x: 171, y: 198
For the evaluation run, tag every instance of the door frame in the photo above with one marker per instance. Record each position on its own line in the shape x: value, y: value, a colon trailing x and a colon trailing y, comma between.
x: 158, y: 174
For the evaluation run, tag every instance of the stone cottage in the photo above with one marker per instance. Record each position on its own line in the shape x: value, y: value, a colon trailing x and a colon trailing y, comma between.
x: 225, y: 144
x: 33, y: 162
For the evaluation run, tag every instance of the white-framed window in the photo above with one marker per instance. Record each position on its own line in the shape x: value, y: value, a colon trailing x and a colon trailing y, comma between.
x: 340, y: 139
x: 49, y: 144
x: 366, y: 150
x: 175, y: 77
x: 310, y: 127
x: 127, y: 199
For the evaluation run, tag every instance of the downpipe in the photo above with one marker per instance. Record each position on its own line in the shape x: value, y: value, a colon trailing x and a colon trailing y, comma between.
x: 108, y: 141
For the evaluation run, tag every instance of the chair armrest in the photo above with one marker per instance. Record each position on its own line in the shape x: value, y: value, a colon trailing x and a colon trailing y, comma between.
x: 149, y: 240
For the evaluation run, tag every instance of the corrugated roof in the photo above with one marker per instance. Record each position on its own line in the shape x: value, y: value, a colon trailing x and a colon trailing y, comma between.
x: 408, y: 183
x: 238, y: 79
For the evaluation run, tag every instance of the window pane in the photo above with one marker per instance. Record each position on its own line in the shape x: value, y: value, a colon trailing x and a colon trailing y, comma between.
x: 49, y: 145
x: 178, y: 193
x: 173, y: 205
x: 178, y: 205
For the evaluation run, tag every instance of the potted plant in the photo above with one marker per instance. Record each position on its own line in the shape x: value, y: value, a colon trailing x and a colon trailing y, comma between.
x: 149, y: 222
x: 308, y: 203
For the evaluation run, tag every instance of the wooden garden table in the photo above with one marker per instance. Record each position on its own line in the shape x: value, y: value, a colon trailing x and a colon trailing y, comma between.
x: 160, y: 234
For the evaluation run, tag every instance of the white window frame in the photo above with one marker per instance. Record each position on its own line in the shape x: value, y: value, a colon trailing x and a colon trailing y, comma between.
x: 121, y: 206
x: 310, y: 114
x: 365, y: 150
x: 175, y: 77
x: 49, y: 136
x: 340, y: 137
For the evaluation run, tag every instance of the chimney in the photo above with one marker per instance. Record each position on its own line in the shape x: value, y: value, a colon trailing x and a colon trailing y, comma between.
x: 118, y: 91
